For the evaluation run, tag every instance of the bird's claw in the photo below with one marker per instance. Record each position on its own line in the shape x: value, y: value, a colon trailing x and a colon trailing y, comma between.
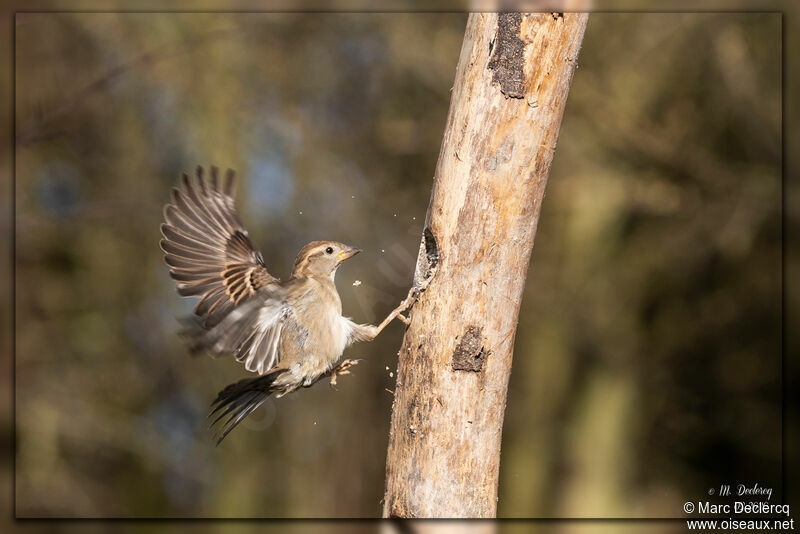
x: 342, y: 369
x: 404, y: 319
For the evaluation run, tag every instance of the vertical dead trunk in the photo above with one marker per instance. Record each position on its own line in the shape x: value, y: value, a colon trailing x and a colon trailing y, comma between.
x: 511, y: 86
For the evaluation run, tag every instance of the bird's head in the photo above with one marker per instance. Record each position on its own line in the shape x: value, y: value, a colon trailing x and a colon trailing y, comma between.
x: 322, y: 258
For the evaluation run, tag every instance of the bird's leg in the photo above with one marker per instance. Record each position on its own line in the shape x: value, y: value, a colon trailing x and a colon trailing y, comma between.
x: 397, y: 313
x: 368, y: 332
x: 341, y: 369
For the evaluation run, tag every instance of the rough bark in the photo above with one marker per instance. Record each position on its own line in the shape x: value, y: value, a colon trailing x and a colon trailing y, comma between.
x: 511, y: 86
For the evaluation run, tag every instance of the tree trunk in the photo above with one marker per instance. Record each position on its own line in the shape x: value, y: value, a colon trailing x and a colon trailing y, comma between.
x: 511, y: 86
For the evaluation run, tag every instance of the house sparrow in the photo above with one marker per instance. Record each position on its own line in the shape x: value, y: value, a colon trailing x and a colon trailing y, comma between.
x: 291, y: 333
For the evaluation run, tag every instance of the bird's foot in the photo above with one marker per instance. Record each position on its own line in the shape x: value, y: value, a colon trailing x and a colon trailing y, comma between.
x: 342, y: 369
x: 397, y: 313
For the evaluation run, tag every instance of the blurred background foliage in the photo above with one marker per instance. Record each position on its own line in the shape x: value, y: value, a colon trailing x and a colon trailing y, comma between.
x: 647, y: 361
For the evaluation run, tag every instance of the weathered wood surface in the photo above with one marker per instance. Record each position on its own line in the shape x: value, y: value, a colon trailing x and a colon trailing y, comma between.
x: 511, y: 86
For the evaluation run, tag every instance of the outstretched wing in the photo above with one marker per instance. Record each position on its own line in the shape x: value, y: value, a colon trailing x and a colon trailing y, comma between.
x: 210, y: 256
x: 207, y: 247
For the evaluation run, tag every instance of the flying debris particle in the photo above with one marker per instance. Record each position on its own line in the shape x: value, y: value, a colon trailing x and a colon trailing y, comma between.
x: 383, y: 250
x: 391, y: 375
x: 357, y: 283
x: 352, y: 196
x: 301, y: 213
x: 387, y: 367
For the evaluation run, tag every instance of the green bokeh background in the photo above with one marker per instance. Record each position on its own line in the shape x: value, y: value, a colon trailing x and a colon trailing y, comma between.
x: 647, y: 360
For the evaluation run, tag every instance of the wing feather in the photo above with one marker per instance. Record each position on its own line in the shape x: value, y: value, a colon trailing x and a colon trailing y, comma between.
x: 207, y: 248
x: 251, y: 332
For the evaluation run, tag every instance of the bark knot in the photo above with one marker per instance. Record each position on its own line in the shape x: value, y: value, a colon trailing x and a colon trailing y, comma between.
x: 507, y: 62
x: 470, y: 352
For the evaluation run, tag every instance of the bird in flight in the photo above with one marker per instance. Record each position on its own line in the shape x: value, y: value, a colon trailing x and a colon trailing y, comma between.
x: 290, y: 333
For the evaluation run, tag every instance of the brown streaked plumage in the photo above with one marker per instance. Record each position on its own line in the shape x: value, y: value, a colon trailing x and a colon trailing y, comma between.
x: 291, y: 333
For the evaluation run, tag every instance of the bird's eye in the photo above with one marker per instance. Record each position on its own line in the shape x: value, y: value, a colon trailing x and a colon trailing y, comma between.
x: 329, y: 250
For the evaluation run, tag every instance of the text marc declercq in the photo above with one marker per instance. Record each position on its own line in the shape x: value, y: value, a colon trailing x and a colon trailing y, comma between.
x: 740, y: 507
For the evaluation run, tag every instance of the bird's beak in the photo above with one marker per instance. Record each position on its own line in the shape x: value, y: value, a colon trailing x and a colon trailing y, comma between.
x: 348, y: 253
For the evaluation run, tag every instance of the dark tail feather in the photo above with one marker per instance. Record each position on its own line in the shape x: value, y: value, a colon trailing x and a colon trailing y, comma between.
x: 239, y: 400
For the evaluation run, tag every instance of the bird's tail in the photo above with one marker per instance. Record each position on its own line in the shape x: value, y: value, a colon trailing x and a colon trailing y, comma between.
x: 239, y: 400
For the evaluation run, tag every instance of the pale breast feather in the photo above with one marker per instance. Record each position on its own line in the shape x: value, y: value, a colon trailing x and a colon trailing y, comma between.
x: 340, y: 333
